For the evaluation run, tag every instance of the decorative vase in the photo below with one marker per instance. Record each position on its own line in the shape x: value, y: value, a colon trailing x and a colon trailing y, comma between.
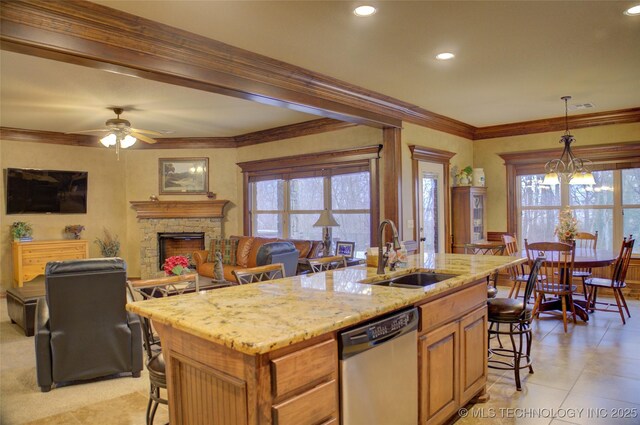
x: 478, y: 177
x: 464, y: 180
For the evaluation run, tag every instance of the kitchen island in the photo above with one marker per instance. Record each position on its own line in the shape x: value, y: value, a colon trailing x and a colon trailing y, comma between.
x: 267, y: 352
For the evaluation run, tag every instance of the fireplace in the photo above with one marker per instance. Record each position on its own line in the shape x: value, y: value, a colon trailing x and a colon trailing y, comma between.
x: 175, y: 217
x: 183, y: 243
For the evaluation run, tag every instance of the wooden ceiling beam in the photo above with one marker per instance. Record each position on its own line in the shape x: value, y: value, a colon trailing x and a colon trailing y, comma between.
x: 93, y: 35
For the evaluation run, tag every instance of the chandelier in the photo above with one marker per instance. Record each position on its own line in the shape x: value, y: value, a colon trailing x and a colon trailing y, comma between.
x: 568, y: 168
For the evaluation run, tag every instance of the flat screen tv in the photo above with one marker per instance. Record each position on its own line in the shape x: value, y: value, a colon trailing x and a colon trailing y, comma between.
x: 46, y: 191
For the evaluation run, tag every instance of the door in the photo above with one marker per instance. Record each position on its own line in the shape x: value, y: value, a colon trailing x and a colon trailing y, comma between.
x: 431, y: 205
x: 473, y: 354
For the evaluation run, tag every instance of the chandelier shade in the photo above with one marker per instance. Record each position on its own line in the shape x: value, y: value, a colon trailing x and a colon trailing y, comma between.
x: 568, y: 167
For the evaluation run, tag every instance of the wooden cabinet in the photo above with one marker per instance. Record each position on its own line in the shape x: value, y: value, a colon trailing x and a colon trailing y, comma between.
x: 212, y: 384
x: 452, y: 353
x: 30, y: 258
x: 468, y: 216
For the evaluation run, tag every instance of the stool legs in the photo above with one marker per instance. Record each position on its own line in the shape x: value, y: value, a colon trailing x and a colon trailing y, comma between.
x: 519, y: 356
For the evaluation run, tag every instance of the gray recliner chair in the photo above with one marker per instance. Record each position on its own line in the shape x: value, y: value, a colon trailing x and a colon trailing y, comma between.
x: 279, y: 252
x: 82, y: 329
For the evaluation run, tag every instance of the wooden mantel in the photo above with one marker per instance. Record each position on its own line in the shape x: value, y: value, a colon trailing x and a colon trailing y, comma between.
x: 179, y: 209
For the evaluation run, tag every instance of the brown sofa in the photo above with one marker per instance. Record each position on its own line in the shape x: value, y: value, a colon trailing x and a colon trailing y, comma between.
x: 247, y: 253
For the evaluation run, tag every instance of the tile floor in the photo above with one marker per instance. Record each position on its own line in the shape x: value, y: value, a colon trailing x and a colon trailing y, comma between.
x: 585, y: 376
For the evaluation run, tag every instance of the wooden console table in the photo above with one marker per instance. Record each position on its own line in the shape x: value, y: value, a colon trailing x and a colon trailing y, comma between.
x: 30, y: 258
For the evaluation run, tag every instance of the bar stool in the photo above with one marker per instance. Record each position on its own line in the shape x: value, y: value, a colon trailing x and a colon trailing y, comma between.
x: 517, y: 316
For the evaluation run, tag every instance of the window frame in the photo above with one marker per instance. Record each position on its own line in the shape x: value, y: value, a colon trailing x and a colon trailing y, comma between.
x: 615, y: 156
x: 322, y: 164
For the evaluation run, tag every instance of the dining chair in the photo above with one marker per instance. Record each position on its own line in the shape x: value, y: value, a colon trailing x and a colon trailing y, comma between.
x: 556, y: 277
x: 487, y: 249
x: 516, y: 273
x: 260, y: 273
x: 585, y: 240
x: 616, y: 283
x: 322, y: 264
x: 517, y: 314
x: 157, y: 288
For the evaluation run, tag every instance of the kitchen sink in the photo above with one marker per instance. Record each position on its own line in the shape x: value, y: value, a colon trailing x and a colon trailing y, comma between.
x: 415, y: 280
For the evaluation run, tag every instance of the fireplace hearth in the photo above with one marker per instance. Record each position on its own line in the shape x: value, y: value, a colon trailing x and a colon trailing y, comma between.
x: 183, y: 243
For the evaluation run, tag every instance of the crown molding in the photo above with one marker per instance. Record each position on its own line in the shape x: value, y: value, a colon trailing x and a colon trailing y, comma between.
x: 306, y: 128
x: 620, y: 116
x: 52, y: 137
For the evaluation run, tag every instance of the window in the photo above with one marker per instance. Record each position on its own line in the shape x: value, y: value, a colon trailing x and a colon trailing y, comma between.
x: 611, y: 206
x: 289, y: 208
x: 285, y: 197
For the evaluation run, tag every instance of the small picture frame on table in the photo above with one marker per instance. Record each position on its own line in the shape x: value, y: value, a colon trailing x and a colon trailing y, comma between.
x: 345, y: 248
x: 186, y: 176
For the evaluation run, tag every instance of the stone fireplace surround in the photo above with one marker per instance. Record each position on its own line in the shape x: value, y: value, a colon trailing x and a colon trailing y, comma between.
x: 174, y: 217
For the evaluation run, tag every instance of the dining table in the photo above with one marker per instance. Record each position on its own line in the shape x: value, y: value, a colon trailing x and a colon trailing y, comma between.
x: 584, y: 258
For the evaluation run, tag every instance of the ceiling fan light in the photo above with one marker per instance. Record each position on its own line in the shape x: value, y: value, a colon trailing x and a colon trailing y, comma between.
x: 128, y: 141
x: 108, y: 140
x: 551, y: 179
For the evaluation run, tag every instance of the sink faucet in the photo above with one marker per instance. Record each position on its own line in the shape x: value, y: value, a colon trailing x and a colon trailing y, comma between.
x: 383, y: 258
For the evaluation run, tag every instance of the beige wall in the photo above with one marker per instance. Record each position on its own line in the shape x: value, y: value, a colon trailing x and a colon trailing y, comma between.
x: 334, y: 140
x: 422, y: 136
x: 142, y: 182
x: 485, y: 155
x: 106, y: 202
x: 113, y: 184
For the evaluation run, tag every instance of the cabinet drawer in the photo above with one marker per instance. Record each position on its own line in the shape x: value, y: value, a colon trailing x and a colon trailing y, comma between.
x: 303, y: 367
x: 318, y: 405
x: 448, y: 308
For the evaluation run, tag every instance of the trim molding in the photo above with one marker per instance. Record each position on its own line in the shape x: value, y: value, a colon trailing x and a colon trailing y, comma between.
x: 421, y: 153
x: 613, y: 156
x: 306, y: 128
x: 179, y: 209
x: 333, y: 157
x: 621, y: 116
x: 96, y: 36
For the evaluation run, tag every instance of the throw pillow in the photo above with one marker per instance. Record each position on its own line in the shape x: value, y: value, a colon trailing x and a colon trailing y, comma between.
x: 218, y: 271
x: 226, y: 247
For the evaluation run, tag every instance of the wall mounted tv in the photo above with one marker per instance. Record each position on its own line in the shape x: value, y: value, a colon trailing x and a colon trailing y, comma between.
x: 46, y: 191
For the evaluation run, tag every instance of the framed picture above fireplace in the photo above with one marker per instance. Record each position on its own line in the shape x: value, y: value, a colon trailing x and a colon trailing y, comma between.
x: 188, y: 176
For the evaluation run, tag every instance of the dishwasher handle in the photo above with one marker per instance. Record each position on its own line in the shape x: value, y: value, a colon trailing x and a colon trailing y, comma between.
x: 376, y: 333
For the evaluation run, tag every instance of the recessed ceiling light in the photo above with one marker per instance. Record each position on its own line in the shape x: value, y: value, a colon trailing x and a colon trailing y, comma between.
x: 364, y: 11
x: 633, y: 11
x: 445, y: 56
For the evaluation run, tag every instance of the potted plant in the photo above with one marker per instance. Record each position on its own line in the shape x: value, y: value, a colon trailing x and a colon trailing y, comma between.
x: 21, y: 230
x: 109, y: 244
x: 464, y: 176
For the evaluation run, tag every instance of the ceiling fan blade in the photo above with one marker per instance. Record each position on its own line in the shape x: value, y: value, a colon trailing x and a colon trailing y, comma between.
x: 89, y: 131
x: 139, y: 130
x: 142, y: 137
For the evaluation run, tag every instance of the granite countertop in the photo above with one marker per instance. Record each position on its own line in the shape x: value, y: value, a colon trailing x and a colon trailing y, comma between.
x: 261, y: 317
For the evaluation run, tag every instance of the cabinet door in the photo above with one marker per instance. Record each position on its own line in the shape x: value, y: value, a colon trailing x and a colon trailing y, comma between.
x: 439, y: 380
x: 473, y: 353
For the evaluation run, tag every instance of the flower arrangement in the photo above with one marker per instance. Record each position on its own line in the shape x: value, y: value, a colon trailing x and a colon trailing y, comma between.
x: 21, y: 229
x: 176, y: 265
x: 109, y: 245
x: 567, y: 226
x: 74, y: 230
x: 464, y: 175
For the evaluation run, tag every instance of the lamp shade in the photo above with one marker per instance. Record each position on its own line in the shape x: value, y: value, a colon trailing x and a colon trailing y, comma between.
x: 326, y: 220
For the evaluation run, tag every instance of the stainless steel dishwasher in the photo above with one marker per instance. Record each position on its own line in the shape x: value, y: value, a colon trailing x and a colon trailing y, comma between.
x: 379, y: 371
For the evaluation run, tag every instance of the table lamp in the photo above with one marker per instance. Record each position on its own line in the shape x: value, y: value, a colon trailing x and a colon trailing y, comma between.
x: 325, y: 221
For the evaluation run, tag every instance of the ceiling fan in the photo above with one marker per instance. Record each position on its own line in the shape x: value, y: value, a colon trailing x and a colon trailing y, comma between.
x: 120, y: 133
